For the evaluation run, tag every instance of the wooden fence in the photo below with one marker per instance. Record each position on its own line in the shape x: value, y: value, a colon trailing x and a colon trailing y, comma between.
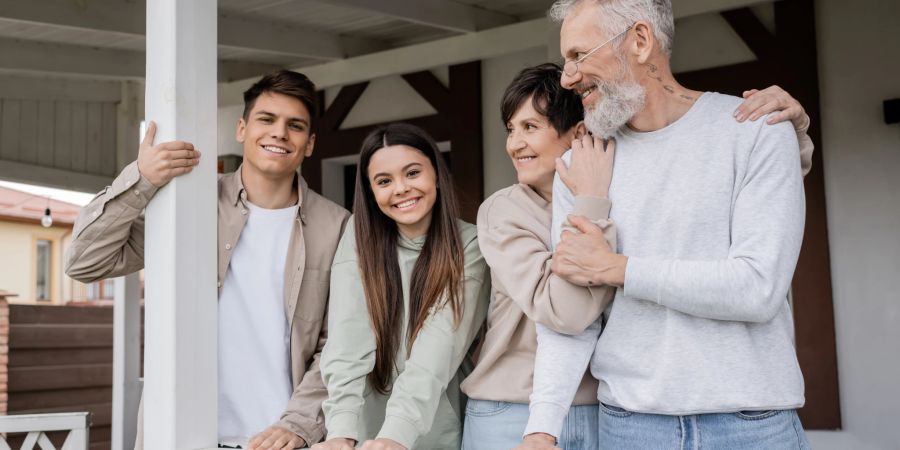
x: 60, y: 360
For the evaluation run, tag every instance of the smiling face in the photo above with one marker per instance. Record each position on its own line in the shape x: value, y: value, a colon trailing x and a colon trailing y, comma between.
x: 276, y: 135
x: 533, y: 145
x: 404, y: 184
x: 604, y: 80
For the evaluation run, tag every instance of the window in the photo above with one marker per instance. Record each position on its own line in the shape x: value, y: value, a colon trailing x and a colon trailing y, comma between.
x: 43, y: 259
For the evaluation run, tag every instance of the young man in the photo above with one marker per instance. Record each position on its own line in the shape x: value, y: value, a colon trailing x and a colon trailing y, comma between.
x: 698, y: 343
x: 276, y: 243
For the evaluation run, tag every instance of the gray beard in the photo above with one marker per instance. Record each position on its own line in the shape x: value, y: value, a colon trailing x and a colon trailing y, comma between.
x: 619, y: 102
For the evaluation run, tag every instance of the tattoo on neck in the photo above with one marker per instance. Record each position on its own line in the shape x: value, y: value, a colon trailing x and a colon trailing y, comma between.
x: 669, y: 89
x: 653, y: 67
x: 687, y: 97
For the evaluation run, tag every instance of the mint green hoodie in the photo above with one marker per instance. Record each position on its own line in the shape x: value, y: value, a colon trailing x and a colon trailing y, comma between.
x: 423, y: 409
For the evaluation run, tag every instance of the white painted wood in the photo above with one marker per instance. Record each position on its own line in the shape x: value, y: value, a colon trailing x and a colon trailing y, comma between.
x: 79, y: 136
x: 58, y: 89
x: 22, y: 423
x: 94, y: 150
x: 9, y: 129
x: 444, y: 14
x: 46, y: 132
x: 180, y: 385
x: 30, y: 440
x: 62, y: 133
x: 126, y: 360
x: 51, y: 177
x: 19, y: 55
x: 108, y: 150
x: 28, y: 132
x: 125, y: 20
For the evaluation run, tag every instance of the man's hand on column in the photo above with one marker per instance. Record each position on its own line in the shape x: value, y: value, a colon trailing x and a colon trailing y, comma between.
x: 584, y: 257
x: 159, y: 163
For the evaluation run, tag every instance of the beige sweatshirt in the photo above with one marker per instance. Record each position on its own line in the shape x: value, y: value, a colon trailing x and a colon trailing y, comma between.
x: 514, y: 236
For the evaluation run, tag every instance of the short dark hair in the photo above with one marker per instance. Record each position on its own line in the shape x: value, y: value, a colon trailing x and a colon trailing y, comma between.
x: 562, y: 107
x: 285, y: 82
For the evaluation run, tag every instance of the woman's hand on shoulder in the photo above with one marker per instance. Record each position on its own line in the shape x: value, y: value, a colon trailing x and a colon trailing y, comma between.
x: 591, y: 167
x: 335, y: 444
x: 758, y: 103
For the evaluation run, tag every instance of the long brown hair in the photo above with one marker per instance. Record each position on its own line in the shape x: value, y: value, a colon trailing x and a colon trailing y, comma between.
x: 437, y: 275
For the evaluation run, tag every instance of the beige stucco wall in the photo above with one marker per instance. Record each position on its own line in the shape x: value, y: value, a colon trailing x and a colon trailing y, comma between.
x: 18, y: 247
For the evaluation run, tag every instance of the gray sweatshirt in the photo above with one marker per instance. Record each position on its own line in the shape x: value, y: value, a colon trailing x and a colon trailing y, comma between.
x: 710, y: 213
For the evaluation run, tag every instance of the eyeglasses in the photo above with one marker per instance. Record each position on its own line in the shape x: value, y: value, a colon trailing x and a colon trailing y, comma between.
x: 570, y: 68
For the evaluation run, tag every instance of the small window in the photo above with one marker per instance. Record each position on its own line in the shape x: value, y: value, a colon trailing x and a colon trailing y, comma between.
x: 44, y: 253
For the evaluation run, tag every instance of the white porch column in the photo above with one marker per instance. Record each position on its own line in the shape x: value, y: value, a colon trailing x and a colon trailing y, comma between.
x: 126, y: 360
x: 180, y: 386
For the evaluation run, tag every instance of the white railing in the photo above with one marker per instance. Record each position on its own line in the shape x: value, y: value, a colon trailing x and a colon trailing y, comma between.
x: 37, y: 425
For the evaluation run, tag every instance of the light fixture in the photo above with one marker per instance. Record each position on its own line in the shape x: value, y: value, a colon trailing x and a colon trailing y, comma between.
x: 47, y: 220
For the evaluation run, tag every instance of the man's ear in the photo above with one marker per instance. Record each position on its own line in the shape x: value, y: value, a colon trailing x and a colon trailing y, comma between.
x: 644, y: 41
x: 310, y: 144
x: 241, y: 129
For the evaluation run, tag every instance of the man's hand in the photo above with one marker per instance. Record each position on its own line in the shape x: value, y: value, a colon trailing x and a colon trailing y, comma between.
x: 382, y: 444
x: 591, y: 168
x: 276, y: 438
x: 335, y: 444
x: 773, y: 98
x: 162, y: 162
x: 538, y: 441
x: 584, y: 257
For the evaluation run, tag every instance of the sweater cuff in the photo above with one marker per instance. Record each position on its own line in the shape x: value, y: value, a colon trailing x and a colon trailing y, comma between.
x: 644, y: 278
x: 309, y: 430
x: 343, y: 424
x: 594, y: 208
x: 545, y: 417
x: 399, y: 430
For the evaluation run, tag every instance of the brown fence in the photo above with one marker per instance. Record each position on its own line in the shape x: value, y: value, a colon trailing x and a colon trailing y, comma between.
x: 60, y: 360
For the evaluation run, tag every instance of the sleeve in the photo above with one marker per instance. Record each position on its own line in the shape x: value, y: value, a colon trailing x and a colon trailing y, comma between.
x: 108, y: 237
x: 559, y: 366
x: 303, y: 415
x: 506, y: 233
x: 563, y: 204
x: 751, y: 283
x: 348, y: 356
x: 806, y: 146
x: 435, y: 357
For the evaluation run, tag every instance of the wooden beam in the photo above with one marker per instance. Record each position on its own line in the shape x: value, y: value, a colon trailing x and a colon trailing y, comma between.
x: 58, y: 89
x: 180, y: 372
x: 431, y: 89
x: 414, y: 58
x: 50, y: 177
x: 125, y: 19
x: 752, y: 31
x: 443, y: 14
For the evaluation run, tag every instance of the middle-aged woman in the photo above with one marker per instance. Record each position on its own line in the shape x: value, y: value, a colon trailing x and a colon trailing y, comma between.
x: 409, y: 291
x: 543, y: 121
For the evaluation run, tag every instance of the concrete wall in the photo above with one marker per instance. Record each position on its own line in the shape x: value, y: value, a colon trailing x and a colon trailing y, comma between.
x: 859, y: 67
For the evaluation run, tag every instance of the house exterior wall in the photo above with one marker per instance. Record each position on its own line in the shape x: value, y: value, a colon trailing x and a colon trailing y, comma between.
x: 859, y: 68
x: 18, y: 242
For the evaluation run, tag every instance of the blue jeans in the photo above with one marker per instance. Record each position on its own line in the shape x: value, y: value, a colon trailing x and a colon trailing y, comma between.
x: 746, y: 430
x: 494, y: 425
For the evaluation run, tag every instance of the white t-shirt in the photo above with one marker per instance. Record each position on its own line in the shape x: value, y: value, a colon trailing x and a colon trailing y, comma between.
x: 254, y: 340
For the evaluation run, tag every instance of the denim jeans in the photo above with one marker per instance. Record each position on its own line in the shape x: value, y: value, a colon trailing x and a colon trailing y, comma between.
x: 491, y: 425
x: 746, y: 430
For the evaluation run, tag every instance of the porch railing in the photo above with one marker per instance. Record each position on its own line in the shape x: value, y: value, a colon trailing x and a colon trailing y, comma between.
x: 38, y: 425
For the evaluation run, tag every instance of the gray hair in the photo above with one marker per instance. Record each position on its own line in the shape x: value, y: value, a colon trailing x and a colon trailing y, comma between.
x: 617, y: 15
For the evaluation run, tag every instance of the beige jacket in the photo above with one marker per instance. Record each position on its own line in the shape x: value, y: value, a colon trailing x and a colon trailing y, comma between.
x: 109, y: 242
x: 514, y: 236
